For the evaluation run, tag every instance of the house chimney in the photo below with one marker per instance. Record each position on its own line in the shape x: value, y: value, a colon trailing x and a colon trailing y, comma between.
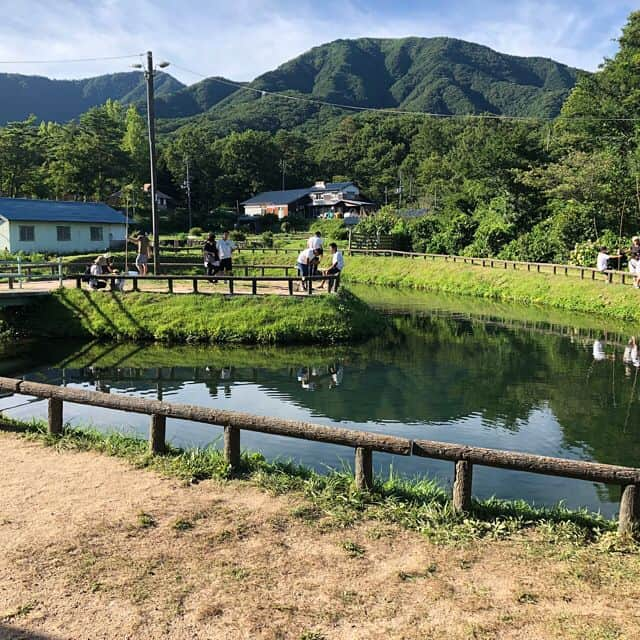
x: 320, y: 184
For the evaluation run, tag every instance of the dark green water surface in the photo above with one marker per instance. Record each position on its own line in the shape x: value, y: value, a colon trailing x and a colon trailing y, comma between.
x: 455, y: 370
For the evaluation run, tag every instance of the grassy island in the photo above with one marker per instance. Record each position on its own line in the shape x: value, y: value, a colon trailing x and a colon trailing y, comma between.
x: 70, y: 313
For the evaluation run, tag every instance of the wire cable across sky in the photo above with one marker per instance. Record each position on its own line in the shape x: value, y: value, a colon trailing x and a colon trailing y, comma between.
x: 72, y: 60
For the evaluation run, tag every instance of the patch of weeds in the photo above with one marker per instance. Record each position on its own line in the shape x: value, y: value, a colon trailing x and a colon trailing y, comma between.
x: 182, y: 525
x: 223, y: 536
x: 95, y: 586
x: 350, y: 597
x: 313, y: 635
x: 306, y: 513
x: 410, y: 577
x: 528, y: 598
x: 353, y: 549
x: 279, y: 524
x: 20, y: 611
x: 239, y: 573
x: 146, y: 521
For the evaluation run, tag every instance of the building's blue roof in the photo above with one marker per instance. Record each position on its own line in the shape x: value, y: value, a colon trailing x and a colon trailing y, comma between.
x: 333, y: 186
x: 22, y: 209
x: 275, y: 197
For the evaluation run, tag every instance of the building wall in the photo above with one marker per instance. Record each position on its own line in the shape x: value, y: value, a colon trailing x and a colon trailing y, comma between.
x: 46, y: 237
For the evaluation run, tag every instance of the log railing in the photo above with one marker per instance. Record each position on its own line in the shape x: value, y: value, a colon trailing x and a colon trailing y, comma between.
x: 306, y: 282
x: 364, y: 443
x: 584, y: 273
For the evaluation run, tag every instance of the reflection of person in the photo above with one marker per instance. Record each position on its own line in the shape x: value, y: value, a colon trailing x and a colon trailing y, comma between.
x: 225, y: 373
x: 337, y: 375
x: 630, y: 355
x: 598, y: 350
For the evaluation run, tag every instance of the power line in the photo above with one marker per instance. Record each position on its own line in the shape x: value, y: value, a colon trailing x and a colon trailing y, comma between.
x: 347, y: 107
x: 71, y: 60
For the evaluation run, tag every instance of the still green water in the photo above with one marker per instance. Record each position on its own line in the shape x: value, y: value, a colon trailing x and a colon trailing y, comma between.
x: 451, y: 369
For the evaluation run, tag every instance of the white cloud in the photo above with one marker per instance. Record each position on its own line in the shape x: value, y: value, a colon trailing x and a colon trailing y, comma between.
x: 244, y: 38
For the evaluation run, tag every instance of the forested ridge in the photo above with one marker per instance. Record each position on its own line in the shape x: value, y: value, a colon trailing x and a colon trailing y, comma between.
x: 530, y: 188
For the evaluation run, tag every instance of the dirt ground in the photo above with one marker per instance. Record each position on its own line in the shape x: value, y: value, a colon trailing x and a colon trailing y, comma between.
x: 91, y: 548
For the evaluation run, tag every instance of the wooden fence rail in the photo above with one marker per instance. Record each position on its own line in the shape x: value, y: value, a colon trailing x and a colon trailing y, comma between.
x: 364, y: 443
x: 497, y: 263
x: 307, y: 281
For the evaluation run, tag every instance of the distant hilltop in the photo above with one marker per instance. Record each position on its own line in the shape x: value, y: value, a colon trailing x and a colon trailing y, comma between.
x: 436, y: 75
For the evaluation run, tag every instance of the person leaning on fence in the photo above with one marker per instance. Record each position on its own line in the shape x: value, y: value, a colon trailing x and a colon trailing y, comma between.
x: 307, y: 260
x: 602, y: 261
x: 634, y: 261
x: 211, y: 256
x: 337, y: 265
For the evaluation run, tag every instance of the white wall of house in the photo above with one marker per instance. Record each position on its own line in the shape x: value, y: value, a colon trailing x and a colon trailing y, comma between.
x: 254, y: 209
x: 59, y: 237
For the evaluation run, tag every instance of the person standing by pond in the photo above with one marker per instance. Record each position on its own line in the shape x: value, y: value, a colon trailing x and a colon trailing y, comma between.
x: 225, y: 249
x: 142, y: 258
x: 307, y: 259
x: 211, y: 256
x: 634, y: 261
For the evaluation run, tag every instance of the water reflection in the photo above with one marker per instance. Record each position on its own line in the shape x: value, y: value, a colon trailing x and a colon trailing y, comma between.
x: 473, y: 378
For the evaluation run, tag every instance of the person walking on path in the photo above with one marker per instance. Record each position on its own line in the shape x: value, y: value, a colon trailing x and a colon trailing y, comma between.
x: 211, y: 256
x: 142, y: 258
x: 225, y: 249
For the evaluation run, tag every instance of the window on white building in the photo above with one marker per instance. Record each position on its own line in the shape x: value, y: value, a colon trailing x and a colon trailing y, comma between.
x: 27, y: 233
x: 96, y: 234
x: 63, y: 233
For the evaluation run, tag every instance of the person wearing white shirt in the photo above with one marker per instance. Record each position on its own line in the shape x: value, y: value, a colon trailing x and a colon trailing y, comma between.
x: 602, y: 261
x: 306, y: 261
x: 315, y: 241
x: 225, y: 249
x: 337, y: 265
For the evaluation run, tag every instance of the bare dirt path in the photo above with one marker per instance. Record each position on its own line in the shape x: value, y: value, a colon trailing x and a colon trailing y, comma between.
x: 92, y: 548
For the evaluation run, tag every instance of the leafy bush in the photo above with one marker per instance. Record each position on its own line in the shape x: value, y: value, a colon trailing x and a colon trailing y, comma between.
x: 238, y: 235
x: 585, y: 253
x: 422, y: 232
x: 196, y: 231
x: 541, y: 244
x: 331, y: 229
x: 285, y: 227
x: 267, y: 239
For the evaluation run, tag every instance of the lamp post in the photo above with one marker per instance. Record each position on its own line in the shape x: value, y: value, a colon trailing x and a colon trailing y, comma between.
x: 149, y: 75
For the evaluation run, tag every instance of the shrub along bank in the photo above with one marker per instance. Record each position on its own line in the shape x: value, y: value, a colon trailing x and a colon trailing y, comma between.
x: 559, y: 292
x: 197, y: 318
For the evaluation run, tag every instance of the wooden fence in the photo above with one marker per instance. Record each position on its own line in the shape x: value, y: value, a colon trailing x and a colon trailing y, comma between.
x: 305, y: 282
x: 364, y: 443
x: 497, y: 263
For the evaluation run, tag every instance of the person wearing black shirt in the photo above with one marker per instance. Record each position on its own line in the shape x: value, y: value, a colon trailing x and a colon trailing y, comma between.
x: 211, y: 256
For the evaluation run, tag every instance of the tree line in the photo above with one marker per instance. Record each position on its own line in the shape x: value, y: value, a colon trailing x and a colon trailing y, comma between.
x: 520, y: 189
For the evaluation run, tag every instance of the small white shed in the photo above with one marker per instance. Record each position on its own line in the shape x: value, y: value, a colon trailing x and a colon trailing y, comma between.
x: 56, y: 226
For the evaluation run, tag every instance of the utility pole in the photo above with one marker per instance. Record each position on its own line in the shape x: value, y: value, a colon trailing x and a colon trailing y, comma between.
x: 151, y: 124
x: 188, y: 187
x: 283, y: 166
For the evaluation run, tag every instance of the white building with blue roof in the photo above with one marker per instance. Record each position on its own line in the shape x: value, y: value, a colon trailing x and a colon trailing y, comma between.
x: 55, y: 226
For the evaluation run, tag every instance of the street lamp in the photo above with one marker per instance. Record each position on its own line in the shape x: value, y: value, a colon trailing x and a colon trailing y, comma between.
x: 149, y: 74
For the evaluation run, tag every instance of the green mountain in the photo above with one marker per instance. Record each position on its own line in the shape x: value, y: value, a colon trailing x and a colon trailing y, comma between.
x: 63, y: 100
x: 436, y: 75
x: 197, y: 98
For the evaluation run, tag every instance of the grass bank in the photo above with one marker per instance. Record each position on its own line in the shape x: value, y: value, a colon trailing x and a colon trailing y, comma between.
x: 417, y: 504
x: 559, y: 292
x: 71, y: 313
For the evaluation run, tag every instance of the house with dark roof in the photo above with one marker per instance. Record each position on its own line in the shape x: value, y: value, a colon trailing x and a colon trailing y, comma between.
x: 321, y: 200
x: 56, y: 226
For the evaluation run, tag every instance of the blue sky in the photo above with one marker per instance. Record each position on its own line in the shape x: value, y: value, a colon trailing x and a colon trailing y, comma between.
x: 243, y: 38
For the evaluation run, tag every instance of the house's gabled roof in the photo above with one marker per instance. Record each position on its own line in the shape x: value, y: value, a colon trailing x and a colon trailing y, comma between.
x: 278, y: 197
x: 25, y: 210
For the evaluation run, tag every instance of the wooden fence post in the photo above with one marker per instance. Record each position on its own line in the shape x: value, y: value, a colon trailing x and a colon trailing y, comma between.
x: 290, y: 287
x: 157, y: 432
x: 170, y: 283
x: 195, y: 286
x: 231, y: 285
x: 254, y: 287
x: 462, y: 486
x: 232, y: 447
x: 364, y: 468
x: 629, y: 509
x: 135, y: 283
x: 54, y: 426
x: 310, y: 287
